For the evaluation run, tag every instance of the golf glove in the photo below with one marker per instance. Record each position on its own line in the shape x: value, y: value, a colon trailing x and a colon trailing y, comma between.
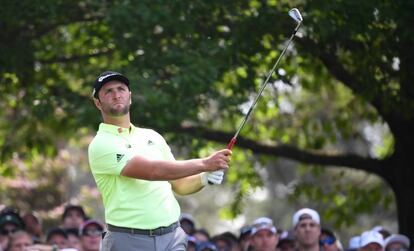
x: 213, y: 178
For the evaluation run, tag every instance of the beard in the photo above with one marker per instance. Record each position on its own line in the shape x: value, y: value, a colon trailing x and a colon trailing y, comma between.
x: 116, y: 110
x: 113, y: 111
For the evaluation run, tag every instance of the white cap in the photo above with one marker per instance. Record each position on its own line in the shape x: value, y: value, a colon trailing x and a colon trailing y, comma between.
x: 354, y: 242
x: 397, y: 238
x: 310, y: 213
x: 371, y: 237
x: 263, y: 223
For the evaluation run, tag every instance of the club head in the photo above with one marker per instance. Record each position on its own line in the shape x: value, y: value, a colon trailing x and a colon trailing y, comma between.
x: 295, y: 14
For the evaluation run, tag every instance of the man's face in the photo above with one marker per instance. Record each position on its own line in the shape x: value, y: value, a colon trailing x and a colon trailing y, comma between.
x: 59, y: 240
x: 73, y: 219
x: 91, y: 238
x: 114, y: 99
x: 372, y: 247
x: 264, y: 240
x: 307, y: 232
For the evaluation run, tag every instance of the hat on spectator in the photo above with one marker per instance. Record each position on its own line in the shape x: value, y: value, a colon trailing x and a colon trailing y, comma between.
x: 245, y: 231
x: 69, y: 208
x: 368, y: 237
x: 354, y: 242
x: 90, y: 223
x: 305, y: 213
x: 397, y: 238
x: 105, y: 77
x: 205, y: 245
x: 187, y: 217
x: 263, y: 223
x: 56, y: 231
x: 11, y: 216
x: 382, y: 230
x: 286, y: 237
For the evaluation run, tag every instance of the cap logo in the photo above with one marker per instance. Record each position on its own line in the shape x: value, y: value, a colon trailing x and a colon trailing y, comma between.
x: 100, y: 79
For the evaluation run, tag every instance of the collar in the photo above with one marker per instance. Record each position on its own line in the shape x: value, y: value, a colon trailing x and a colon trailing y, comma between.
x: 113, y: 129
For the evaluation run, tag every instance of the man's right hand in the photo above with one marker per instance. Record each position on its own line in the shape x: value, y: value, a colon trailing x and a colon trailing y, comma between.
x: 217, y: 161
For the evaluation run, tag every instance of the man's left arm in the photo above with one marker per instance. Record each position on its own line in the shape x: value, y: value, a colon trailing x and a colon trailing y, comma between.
x: 195, y: 183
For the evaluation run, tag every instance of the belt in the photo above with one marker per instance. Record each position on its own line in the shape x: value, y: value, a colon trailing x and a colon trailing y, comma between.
x: 149, y: 232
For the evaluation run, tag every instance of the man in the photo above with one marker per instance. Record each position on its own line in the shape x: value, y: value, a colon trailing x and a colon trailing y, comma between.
x: 137, y: 174
x: 91, y: 235
x: 286, y: 241
x: 371, y: 241
x: 264, y: 235
x: 328, y: 241
x: 397, y: 242
x: 57, y: 236
x: 73, y: 216
x: 307, y: 229
x: 10, y: 222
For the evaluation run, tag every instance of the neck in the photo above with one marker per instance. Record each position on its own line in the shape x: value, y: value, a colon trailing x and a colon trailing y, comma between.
x: 121, y: 121
x: 309, y: 248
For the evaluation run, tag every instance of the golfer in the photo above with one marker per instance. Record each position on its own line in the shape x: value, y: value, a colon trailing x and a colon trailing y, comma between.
x: 137, y: 175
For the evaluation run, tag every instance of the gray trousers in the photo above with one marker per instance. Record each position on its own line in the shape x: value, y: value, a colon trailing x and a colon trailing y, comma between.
x: 116, y: 241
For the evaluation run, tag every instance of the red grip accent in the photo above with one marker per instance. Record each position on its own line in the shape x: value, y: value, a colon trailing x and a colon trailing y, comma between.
x: 231, y: 143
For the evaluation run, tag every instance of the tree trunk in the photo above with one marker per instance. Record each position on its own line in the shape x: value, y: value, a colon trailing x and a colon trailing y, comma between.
x: 400, y: 178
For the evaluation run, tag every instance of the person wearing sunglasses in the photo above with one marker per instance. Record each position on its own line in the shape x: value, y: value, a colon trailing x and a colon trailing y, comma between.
x: 91, y: 235
x: 328, y: 241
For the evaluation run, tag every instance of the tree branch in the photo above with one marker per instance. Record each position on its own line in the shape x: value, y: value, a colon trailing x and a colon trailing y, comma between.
x: 290, y: 152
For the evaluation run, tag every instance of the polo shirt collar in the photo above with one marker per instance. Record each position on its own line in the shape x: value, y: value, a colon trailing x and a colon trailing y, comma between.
x: 113, y: 129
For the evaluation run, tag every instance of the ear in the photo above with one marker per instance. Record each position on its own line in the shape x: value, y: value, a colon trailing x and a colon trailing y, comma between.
x: 130, y: 97
x: 97, y: 103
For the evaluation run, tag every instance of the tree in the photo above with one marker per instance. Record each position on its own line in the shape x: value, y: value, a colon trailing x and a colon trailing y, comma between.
x: 198, y: 63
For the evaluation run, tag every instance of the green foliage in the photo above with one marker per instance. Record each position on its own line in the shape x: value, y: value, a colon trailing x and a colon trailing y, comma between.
x: 202, y: 63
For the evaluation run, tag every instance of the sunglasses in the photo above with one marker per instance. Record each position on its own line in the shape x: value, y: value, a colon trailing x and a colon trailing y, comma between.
x: 92, y: 232
x: 328, y: 241
x: 8, y: 231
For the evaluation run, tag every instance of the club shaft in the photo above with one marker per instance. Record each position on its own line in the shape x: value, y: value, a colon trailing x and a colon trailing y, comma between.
x: 269, y: 75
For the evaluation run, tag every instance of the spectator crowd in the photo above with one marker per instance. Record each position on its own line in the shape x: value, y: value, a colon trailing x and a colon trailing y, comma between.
x: 78, y: 232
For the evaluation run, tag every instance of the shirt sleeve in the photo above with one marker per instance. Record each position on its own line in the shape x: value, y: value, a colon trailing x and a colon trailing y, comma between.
x: 107, y: 158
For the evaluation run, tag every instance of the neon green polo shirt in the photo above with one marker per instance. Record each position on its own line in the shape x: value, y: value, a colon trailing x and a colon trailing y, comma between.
x: 130, y: 202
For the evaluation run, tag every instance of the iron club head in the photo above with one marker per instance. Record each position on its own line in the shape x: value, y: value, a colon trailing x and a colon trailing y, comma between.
x: 295, y: 14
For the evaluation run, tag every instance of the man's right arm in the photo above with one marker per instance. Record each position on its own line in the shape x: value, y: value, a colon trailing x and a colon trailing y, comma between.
x: 142, y: 168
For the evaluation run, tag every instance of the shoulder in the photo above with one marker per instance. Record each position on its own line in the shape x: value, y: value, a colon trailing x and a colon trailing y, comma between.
x: 149, y: 133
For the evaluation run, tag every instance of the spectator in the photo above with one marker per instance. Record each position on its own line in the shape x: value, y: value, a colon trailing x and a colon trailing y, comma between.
x: 286, y: 241
x: 353, y: 243
x: 187, y: 223
x: 73, y: 216
x: 244, y: 238
x: 397, y: 242
x: 201, y: 235
x: 206, y: 246
x: 33, y: 225
x: 10, y: 222
x: 371, y: 241
x: 19, y: 241
x: 382, y: 230
x: 191, y: 243
x: 91, y: 235
x: 222, y: 242
x: 264, y: 236
x: 73, y: 238
x: 307, y: 228
x: 328, y: 241
x: 57, y: 236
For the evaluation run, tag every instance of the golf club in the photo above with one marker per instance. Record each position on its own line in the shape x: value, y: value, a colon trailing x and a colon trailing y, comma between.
x: 295, y: 14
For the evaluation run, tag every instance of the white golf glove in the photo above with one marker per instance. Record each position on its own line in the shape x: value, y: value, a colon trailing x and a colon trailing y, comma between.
x: 213, y: 178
